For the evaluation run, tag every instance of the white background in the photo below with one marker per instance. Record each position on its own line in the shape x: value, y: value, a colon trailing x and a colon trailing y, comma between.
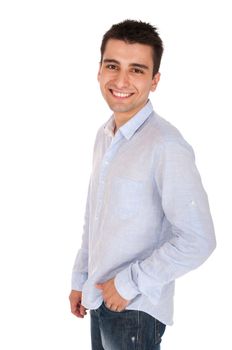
x: 50, y: 110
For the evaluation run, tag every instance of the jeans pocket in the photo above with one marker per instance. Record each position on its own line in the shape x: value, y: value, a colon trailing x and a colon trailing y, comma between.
x: 111, y: 311
x: 159, y: 331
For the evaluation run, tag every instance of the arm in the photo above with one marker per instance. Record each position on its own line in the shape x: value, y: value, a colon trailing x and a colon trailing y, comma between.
x: 185, y: 206
x: 80, y: 268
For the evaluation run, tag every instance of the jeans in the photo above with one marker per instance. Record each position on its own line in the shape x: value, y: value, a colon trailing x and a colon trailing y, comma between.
x: 125, y: 330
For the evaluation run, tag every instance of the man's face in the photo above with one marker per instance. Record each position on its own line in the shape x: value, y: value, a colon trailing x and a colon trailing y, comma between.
x: 126, y: 77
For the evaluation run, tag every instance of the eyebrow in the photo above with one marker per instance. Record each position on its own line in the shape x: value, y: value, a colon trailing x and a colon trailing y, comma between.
x: 109, y: 60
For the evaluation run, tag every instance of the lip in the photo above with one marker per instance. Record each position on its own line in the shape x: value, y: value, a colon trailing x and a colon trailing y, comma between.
x: 121, y: 94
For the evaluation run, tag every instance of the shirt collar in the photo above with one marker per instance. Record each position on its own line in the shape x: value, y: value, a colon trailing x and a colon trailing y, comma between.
x: 129, y: 128
x: 109, y: 127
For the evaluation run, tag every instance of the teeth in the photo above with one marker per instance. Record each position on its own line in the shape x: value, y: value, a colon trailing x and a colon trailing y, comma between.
x: 120, y: 94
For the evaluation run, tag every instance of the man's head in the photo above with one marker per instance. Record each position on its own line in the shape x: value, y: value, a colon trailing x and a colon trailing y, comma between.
x: 131, y: 32
x: 129, y: 69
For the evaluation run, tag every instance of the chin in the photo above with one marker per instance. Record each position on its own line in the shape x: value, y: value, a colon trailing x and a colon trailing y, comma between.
x: 119, y: 109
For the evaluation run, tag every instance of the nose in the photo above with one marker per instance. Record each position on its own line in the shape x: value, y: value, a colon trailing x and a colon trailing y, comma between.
x: 122, y: 80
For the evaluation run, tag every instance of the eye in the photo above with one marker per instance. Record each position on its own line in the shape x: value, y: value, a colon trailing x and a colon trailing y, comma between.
x: 137, y: 71
x: 111, y: 67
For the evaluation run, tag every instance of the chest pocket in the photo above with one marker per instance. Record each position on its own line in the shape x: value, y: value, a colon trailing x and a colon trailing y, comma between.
x: 125, y: 197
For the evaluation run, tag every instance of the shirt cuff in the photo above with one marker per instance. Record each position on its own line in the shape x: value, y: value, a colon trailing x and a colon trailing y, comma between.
x: 125, y: 285
x: 78, y: 280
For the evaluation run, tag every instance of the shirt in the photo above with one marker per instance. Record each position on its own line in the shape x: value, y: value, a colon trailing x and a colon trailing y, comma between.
x: 147, y: 219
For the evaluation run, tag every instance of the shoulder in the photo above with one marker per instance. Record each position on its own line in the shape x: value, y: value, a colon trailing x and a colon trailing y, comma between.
x: 165, y: 135
x: 100, y: 132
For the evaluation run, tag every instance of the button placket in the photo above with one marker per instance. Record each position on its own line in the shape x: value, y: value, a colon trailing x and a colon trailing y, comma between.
x: 101, y: 186
x: 109, y: 154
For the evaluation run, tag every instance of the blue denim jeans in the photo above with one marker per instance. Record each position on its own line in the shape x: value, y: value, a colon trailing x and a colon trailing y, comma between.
x: 125, y: 330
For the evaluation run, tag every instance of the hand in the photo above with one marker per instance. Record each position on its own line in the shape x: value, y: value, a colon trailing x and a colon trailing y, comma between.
x: 75, y: 302
x: 111, y: 297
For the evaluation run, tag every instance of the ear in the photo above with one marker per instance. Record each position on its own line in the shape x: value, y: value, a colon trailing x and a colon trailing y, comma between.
x: 155, y: 81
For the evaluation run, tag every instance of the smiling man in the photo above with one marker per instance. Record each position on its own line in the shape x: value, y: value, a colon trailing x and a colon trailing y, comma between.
x: 125, y: 83
x: 147, y: 216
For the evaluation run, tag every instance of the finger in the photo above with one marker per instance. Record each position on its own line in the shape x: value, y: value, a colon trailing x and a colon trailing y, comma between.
x: 108, y: 305
x: 75, y: 308
x: 77, y: 313
x: 99, y: 286
x: 114, y: 308
x: 120, y: 308
x: 83, y: 310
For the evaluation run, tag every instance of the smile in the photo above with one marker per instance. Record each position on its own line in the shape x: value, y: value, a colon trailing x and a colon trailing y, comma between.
x: 120, y: 94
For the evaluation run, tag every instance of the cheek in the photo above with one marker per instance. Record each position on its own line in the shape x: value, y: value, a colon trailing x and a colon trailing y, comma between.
x: 104, y: 82
x: 144, y: 88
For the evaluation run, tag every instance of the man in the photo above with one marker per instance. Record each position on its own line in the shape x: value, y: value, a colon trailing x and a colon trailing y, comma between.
x: 147, y: 216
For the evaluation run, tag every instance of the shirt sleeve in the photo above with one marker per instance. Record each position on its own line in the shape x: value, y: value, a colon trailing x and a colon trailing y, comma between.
x: 185, y: 206
x: 80, y: 268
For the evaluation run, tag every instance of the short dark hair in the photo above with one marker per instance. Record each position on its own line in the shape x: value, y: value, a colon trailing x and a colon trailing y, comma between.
x: 132, y: 32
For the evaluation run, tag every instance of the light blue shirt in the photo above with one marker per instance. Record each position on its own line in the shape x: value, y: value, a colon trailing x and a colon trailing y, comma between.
x: 147, y: 218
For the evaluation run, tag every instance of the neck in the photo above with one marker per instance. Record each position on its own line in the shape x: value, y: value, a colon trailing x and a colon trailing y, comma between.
x: 122, y: 118
x: 120, y: 122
